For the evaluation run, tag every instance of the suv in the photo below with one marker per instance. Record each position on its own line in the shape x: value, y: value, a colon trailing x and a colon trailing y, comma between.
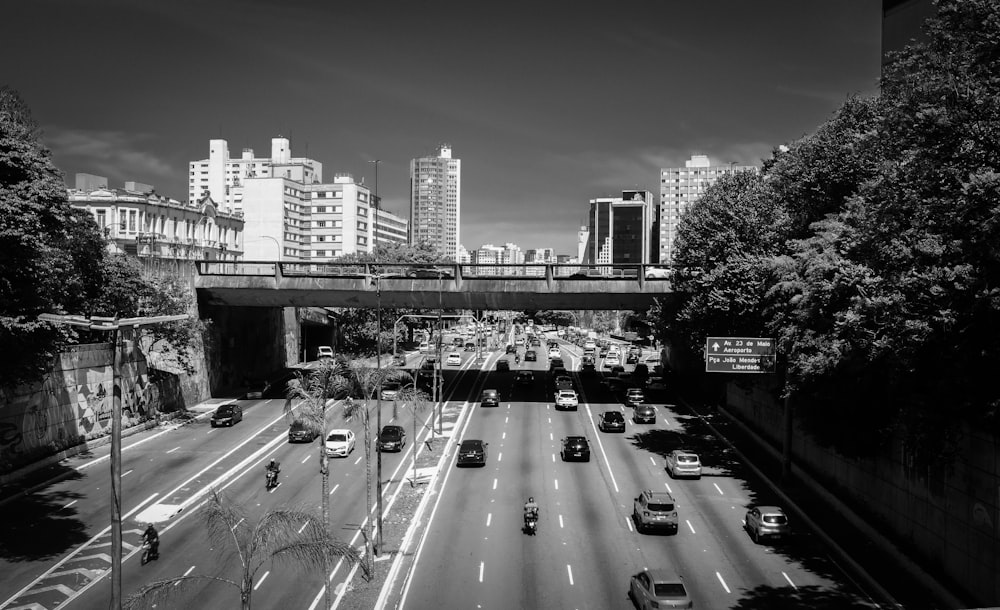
x: 470, y: 347
x: 503, y: 365
x: 654, y: 510
x: 564, y: 382
x: 556, y: 363
x: 634, y: 397
x: 392, y: 438
x: 766, y: 522
x: 530, y: 356
x: 490, y: 398
x: 683, y: 464
x: 575, y: 448
x: 587, y: 363
x: 471, y: 452
x: 510, y: 349
x: 644, y: 414
x: 524, y: 377
x: 611, y: 421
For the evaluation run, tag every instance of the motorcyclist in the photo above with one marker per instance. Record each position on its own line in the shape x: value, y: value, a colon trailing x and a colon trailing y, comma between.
x: 151, y: 538
x: 530, y: 510
x: 517, y: 357
x: 272, y: 469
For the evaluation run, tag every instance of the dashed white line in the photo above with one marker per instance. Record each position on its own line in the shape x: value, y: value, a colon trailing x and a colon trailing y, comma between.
x: 505, y: 419
x: 305, y: 458
x: 174, y: 449
x: 489, y: 518
x: 127, y: 472
x: 238, y: 523
x: 560, y: 521
x: 482, y: 565
x: 189, y: 570
x: 334, y: 489
x: 500, y: 456
x: 494, y: 483
x: 628, y: 522
x: 724, y: 586
x: 691, y: 527
x: 667, y: 485
x: 303, y: 526
x: 569, y: 570
x: 503, y: 436
x: 719, y: 488
x: 553, y: 457
x: 557, y: 484
x: 550, y: 420
x: 789, y: 580
x: 551, y: 437
x: 257, y: 586
x: 70, y: 503
x: 652, y: 460
x: 358, y: 461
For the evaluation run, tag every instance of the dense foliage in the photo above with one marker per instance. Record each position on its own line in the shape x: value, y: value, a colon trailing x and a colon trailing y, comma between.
x: 870, y: 250
x: 54, y: 259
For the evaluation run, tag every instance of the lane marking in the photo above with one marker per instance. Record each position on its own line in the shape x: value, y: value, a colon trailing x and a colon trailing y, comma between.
x: 237, y: 524
x: 357, y: 461
x: 503, y: 436
x: 174, y: 449
x: 560, y: 521
x: 719, y: 488
x: 482, y: 564
x: 557, y: 484
x: 569, y: 570
x: 189, y: 570
x: 724, y: 586
x: 494, y: 483
x: 597, y: 435
x: 309, y: 455
x: 70, y: 504
x: 652, y: 460
x: 667, y: 485
x: 553, y: 457
x: 127, y: 472
x: 334, y: 489
x: 303, y: 526
x: 691, y: 527
x: 550, y: 437
x: 489, y: 518
x: 628, y: 522
x: 506, y: 419
x: 500, y: 456
x: 257, y: 586
x: 789, y: 580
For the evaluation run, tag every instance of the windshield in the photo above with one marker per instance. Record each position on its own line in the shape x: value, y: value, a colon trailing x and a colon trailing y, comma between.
x: 337, y: 438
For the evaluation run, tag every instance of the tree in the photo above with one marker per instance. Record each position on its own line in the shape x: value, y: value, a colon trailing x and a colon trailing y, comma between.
x: 278, y: 535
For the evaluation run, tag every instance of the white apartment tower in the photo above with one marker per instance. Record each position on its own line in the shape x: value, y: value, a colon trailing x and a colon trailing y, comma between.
x: 436, y: 201
x: 679, y: 188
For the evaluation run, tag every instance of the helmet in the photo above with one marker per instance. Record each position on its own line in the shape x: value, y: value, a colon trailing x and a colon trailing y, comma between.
x: 531, y: 499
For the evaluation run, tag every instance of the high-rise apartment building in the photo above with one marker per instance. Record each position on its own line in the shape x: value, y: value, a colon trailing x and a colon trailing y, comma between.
x: 679, y: 188
x: 436, y: 201
x: 488, y: 254
x: 220, y: 176
x: 620, y: 229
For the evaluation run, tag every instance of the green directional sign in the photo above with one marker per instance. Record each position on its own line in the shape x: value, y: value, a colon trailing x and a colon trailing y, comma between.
x: 739, y: 355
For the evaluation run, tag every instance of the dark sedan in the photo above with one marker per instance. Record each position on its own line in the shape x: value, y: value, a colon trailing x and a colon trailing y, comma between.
x: 392, y: 438
x: 227, y: 415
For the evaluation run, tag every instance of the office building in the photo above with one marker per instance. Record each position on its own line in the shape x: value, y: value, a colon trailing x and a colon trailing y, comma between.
x: 620, y: 229
x: 436, y: 202
x: 679, y: 188
x: 139, y: 222
x: 497, y: 259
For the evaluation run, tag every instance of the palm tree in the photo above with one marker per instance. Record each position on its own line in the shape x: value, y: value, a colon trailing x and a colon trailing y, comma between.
x: 276, y: 536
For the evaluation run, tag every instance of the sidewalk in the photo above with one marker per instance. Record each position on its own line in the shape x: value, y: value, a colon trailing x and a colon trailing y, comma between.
x: 67, y: 463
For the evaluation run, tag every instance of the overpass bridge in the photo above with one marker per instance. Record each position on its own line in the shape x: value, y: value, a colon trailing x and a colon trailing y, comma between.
x: 449, y: 286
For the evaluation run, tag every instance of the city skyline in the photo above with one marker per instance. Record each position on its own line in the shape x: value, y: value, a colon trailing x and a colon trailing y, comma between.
x: 548, y: 109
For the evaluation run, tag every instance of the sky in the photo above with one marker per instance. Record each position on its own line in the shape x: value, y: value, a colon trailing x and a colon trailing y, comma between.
x: 548, y: 104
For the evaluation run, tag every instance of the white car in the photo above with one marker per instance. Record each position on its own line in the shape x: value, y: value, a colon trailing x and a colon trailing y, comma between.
x: 339, y: 443
x: 566, y: 399
x: 389, y: 391
x: 612, y: 360
x: 555, y: 353
x: 454, y: 359
x: 324, y: 351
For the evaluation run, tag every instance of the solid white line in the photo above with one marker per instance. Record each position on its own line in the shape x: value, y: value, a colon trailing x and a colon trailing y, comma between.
x: 569, y: 570
x: 257, y: 586
x: 334, y: 489
x: 174, y: 449
x: 691, y: 527
x: 597, y: 435
x: 306, y: 458
x: 724, y: 586
x: 482, y: 564
x: 789, y: 580
x: 494, y: 483
x: 489, y: 518
x: 560, y: 521
x: 719, y: 488
x: 189, y: 570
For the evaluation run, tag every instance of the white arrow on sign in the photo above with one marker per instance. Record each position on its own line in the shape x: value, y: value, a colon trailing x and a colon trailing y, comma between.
x: 715, y: 345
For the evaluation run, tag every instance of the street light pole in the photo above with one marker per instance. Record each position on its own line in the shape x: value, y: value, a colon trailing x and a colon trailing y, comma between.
x: 114, y: 325
x: 378, y: 399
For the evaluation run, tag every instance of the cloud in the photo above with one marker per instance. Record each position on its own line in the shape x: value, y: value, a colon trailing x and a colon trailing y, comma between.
x: 117, y: 155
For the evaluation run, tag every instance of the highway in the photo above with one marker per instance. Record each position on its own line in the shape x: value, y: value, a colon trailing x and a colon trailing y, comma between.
x: 473, y: 553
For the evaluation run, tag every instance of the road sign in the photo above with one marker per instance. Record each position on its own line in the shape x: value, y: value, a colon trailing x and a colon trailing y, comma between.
x: 739, y: 355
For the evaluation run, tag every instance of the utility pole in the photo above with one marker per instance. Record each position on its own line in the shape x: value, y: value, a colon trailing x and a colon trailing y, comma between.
x: 113, y: 325
x: 378, y: 390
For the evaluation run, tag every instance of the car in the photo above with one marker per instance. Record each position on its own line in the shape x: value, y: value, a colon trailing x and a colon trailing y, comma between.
x: 519, y: 341
x: 611, y: 360
x: 589, y: 344
x: 563, y: 382
x: 611, y: 421
x: 566, y: 399
x: 324, y: 351
x: 655, y: 588
x: 489, y: 398
x: 766, y: 522
x: 587, y: 363
x: 227, y: 415
x: 503, y: 364
x: 339, y: 442
x: 470, y: 347
x: 471, y: 452
x: 655, y: 384
x: 634, y: 397
x: 524, y: 377
x: 530, y: 355
x: 391, y: 438
x: 654, y: 510
x: 644, y: 414
x: 682, y: 463
x: 300, y: 432
x: 510, y: 349
x: 658, y: 273
x: 632, y: 358
x: 556, y: 363
x: 399, y: 359
x: 390, y: 390
x: 575, y: 448
x: 256, y: 389
x: 454, y: 359
x: 555, y: 352
x: 536, y: 342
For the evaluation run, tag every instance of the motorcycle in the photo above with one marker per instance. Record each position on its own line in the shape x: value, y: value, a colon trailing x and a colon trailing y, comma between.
x: 150, y: 551
x: 271, y: 480
x: 531, y: 524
